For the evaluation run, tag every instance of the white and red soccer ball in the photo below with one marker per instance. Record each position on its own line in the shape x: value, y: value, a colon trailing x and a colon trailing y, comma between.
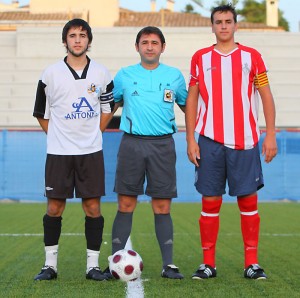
x: 126, y: 265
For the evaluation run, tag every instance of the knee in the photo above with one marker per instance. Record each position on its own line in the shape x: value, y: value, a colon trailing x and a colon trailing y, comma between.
x: 248, y: 203
x: 161, y: 206
x: 212, y: 206
x: 55, y: 209
x: 92, y: 209
x: 126, y: 203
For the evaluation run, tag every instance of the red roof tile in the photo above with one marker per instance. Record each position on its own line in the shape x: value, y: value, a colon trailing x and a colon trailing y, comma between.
x: 167, y: 18
x: 27, y: 16
x: 128, y: 18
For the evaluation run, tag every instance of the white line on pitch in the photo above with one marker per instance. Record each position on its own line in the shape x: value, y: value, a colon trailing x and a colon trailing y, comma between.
x: 135, y: 289
x: 37, y: 235
x: 106, y: 234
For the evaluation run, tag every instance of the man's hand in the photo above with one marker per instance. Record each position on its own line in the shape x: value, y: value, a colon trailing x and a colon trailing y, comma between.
x: 269, y: 147
x: 193, y: 152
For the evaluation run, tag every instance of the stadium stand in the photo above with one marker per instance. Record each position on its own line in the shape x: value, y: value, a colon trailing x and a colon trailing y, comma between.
x: 26, y: 52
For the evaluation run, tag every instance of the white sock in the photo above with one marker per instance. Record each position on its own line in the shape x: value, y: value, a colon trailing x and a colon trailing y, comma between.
x: 51, y: 256
x: 92, y: 259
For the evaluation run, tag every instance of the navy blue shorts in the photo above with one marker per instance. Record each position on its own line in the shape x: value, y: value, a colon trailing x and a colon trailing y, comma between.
x: 241, y: 169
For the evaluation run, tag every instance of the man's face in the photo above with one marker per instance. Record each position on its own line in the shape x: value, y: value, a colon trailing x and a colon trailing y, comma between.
x: 77, y: 42
x: 150, y: 49
x: 224, y: 26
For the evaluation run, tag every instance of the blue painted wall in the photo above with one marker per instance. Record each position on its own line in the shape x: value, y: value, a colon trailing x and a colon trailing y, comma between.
x: 22, y: 159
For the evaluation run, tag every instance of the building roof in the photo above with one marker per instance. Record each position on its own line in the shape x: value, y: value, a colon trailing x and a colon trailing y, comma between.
x: 16, y: 16
x: 9, y: 20
x: 166, y: 18
x: 161, y: 18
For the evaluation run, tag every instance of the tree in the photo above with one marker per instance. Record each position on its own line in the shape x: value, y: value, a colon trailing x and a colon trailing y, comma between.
x: 255, y: 12
x: 282, y: 21
x: 189, y: 9
x: 252, y: 11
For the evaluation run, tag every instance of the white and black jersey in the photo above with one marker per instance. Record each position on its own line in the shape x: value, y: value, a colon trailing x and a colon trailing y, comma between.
x: 73, y: 103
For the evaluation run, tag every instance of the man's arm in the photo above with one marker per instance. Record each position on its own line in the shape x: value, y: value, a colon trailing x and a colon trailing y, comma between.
x: 269, y: 147
x: 104, y: 121
x: 193, y: 150
x: 107, y: 117
x: 44, y: 124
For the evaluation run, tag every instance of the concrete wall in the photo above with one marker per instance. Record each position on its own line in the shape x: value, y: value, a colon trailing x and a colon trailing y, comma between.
x: 26, y: 52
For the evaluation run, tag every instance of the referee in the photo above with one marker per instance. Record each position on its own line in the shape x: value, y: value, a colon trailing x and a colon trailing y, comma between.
x: 148, y: 91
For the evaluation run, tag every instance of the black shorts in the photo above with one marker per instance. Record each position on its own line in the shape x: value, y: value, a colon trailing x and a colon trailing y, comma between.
x: 218, y: 164
x: 81, y: 176
x: 153, y: 158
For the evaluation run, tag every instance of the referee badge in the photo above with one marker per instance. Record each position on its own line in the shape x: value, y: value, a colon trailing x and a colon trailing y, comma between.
x: 168, y: 95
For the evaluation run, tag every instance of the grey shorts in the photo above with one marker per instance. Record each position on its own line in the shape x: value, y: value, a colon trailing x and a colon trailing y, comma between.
x: 218, y: 164
x: 153, y: 158
x: 79, y: 175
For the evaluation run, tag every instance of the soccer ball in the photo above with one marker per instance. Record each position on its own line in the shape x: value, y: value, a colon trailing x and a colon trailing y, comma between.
x: 126, y: 265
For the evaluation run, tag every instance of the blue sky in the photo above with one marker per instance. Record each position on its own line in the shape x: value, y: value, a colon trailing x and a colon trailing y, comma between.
x: 290, y: 8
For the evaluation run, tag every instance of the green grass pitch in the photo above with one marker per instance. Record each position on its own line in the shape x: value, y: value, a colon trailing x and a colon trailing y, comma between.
x: 22, y: 253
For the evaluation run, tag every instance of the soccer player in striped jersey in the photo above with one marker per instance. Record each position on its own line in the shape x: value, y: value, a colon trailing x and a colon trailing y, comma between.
x: 226, y: 81
x: 74, y: 104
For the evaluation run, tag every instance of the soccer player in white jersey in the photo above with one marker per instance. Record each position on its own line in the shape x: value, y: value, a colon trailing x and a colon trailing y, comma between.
x: 222, y: 107
x: 74, y: 104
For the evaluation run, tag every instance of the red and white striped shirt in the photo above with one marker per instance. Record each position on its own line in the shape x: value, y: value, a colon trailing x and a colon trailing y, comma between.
x: 228, y: 98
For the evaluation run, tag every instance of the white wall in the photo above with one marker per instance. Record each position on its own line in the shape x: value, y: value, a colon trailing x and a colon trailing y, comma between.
x: 25, y: 53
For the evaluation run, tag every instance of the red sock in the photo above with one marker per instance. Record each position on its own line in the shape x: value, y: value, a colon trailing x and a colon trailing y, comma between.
x: 209, y: 228
x: 250, y: 221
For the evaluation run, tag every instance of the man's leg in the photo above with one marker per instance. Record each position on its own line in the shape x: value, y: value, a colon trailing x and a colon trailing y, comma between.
x: 94, y: 224
x: 123, y: 221
x: 52, y: 230
x: 250, y: 222
x: 164, y: 234
x: 209, y: 222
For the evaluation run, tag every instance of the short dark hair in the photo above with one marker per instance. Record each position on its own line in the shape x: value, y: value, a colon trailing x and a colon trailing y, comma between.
x: 224, y: 8
x: 150, y: 30
x: 76, y: 23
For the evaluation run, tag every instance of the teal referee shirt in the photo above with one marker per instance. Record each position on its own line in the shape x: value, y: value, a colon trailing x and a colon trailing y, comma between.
x: 148, y: 99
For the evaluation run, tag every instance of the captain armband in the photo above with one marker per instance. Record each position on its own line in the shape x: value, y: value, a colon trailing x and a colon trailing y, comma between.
x: 261, y: 80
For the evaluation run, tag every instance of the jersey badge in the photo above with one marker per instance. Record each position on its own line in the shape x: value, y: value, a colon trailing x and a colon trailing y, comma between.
x: 168, y: 95
x: 93, y: 89
x: 246, y: 68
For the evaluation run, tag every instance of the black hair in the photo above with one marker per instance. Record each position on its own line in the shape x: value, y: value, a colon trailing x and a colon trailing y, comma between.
x: 76, y: 23
x: 224, y: 8
x: 150, y: 30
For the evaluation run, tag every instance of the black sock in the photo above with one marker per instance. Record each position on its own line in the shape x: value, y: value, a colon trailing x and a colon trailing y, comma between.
x: 52, y: 229
x: 94, y: 232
